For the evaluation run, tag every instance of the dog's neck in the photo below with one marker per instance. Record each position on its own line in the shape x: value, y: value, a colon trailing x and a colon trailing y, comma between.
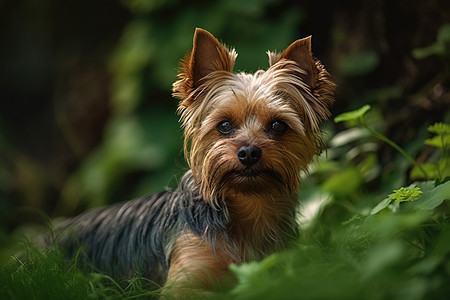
x: 244, y: 225
x: 261, y: 223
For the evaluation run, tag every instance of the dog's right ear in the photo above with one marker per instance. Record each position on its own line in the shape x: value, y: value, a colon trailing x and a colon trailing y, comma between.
x: 207, y: 55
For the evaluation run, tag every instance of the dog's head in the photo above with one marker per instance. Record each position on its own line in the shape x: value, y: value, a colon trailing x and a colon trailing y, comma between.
x: 251, y: 133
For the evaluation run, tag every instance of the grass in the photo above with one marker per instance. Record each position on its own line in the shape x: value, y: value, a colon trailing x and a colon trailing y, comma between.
x: 389, y: 255
x: 48, y: 274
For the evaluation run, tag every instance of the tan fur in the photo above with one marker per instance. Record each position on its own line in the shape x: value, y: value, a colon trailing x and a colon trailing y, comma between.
x: 295, y: 89
x: 195, y: 266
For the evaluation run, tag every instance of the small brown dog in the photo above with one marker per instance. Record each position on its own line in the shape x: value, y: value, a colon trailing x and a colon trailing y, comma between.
x: 247, y: 137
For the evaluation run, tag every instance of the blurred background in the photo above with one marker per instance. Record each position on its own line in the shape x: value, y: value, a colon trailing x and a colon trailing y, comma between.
x: 87, y: 117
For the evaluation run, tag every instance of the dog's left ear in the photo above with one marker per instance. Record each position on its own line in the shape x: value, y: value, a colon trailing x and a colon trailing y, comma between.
x: 300, y: 52
x: 319, y: 96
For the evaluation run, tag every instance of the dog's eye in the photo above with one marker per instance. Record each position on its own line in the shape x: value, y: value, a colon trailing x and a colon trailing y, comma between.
x: 225, y: 127
x: 278, y: 127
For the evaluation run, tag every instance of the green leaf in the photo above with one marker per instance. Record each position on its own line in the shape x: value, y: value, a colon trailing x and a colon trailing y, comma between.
x: 421, y: 53
x: 431, y: 169
x: 250, y: 273
x: 352, y: 115
x: 439, y: 128
x: 344, y: 183
x: 425, y: 186
x: 434, y: 197
x: 438, y: 141
x: 444, y: 168
x: 382, y: 205
x: 437, y: 48
x: 404, y: 194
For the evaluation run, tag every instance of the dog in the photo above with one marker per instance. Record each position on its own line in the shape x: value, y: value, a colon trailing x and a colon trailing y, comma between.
x: 247, y: 138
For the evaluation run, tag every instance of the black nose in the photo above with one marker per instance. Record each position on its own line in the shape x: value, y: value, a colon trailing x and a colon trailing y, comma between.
x: 249, y: 155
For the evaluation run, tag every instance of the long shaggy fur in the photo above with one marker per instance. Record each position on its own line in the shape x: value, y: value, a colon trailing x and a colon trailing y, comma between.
x: 224, y: 210
x: 137, y: 235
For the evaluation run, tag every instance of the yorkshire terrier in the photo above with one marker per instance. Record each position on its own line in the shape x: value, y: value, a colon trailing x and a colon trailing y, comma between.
x: 247, y: 137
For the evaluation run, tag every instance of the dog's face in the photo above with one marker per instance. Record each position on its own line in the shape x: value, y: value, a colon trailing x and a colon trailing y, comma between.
x: 251, y: 133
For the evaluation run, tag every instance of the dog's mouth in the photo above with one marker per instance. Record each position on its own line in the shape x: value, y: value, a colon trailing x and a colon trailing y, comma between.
x: 254, y: 181
x: 252, y: 176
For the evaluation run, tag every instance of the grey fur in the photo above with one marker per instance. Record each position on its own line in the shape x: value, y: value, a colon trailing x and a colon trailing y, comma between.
x: 136, y: 236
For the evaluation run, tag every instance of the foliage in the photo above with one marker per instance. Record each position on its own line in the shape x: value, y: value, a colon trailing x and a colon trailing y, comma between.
x: 41, y: 275
x: 138, y: 141
x: 377, y: 258
x: 133, y: 143
x: 358, y: 116
x: 396, y: 249
x: 47, y: 274
x: 441, y: 47
x: 374, y: 224
x: 441, y: 168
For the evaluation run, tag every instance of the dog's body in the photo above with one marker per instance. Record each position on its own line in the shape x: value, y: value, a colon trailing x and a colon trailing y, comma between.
x: 139, y: 235
x: 247, y: 137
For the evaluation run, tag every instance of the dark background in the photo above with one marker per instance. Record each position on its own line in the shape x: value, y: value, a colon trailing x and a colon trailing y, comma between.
x: 86, y: 114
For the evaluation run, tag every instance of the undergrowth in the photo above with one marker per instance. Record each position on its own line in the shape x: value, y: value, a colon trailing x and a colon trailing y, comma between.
x: 395, y: 248
x: 391, y: 245
x: 34, y: 273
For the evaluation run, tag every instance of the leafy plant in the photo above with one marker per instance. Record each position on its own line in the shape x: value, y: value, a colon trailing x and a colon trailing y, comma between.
x: 398, y: 249
x: 441, y: 168
x: 440, y: 47
x: 357, y: 117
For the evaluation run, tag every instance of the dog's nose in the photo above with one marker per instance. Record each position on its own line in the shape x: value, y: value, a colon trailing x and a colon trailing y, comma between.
x: 249, y: 155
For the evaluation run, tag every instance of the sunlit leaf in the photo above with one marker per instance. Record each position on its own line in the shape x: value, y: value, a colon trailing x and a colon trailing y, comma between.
x: 404, y: 194
x: 431, y: 169
x: 352, y: 115
x: 438, y: 141
x: 439, y: 128
x: 444, y: 168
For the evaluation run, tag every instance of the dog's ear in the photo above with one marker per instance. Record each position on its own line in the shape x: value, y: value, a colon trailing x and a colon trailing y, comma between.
x: 314, y: 83
x: 207, y: 55
x: 300, y: 52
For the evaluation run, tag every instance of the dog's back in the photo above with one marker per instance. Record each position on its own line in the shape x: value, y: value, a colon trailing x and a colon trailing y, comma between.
x: 137, y: 236
x: 123, y: 238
